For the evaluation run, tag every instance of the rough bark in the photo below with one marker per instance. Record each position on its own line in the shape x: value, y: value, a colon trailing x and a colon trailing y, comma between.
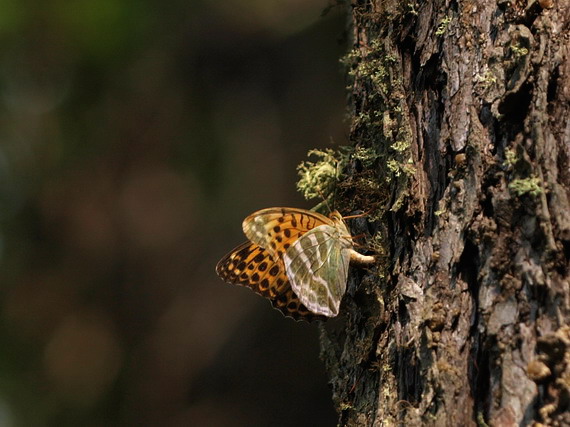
x: 461, y: 116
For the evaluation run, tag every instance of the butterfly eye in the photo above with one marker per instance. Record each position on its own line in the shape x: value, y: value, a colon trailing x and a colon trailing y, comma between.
x: 335, y: 216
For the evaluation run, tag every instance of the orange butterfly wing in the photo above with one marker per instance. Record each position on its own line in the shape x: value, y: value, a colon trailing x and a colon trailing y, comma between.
x: 276, y: 229
x: 252, y: 266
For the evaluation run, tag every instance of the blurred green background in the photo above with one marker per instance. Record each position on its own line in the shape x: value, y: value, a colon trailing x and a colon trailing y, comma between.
x: 134, y: 138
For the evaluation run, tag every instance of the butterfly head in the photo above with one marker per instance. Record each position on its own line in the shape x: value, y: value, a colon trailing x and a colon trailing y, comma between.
x: 341, y: 227
x: 336, y: 216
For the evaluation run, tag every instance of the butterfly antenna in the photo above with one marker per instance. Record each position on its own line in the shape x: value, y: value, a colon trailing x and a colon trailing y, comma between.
x: 358, y: 236
x: 336, y: 179
x: 359, y: 215
x: 324, y: 202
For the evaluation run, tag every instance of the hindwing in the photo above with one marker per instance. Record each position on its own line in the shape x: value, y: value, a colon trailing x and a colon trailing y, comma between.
x: 317, y: 267
x: 252, y: 266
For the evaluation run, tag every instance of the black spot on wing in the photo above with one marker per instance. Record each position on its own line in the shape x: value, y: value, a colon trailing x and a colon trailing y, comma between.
x: 273, y: 284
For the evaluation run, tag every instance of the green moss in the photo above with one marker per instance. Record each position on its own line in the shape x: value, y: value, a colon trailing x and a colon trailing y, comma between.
x: 319, y: 178
x: 487, y: 80
x: 399, y: 169
x: 393, y: 166
x: 371, y: 63
x: 366, y: 119
x: 412, y: 8
x: 401, y: 146
x: 481, y: 420
x: 399, y: 201
x: 440, y: 212
x: 409, y: 168
x: 519, y: 50
x: 510, y: 158
x: 529, y: 185
x: 367, y: 156
x: 376, y: 67
x: 442, y: 27
x: 380, y: 122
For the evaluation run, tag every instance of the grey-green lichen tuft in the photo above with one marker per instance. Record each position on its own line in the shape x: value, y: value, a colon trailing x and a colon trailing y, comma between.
x: 318, y: 178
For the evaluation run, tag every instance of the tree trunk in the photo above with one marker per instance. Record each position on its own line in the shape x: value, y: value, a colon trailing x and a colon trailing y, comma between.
x: 461, y: 123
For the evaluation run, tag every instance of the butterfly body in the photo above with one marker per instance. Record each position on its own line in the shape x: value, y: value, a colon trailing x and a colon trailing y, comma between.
x: 296, y: 258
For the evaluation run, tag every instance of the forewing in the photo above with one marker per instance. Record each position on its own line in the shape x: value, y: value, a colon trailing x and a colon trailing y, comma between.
x: 276, y: 229
x: 317, y: 267
x: 252, y: 266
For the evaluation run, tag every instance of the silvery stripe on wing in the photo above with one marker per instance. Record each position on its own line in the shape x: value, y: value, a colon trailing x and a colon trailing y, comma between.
x: 323, y: 249
x: 258, y: 227
x: 298, y: 268
x: 304, y: 246
x: 336, y: 277
x: 318, y: 243
x: 308, y: 266
x: 256, y: 232
x: 295, y: 252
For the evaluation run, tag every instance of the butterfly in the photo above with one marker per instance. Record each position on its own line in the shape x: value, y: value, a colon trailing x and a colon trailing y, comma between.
x: 296, y: 258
